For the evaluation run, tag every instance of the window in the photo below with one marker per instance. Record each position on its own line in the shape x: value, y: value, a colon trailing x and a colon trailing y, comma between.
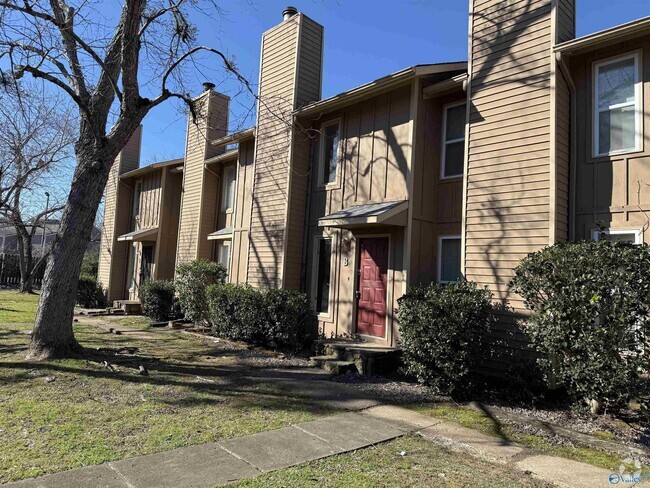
x: 634, y: 236
x: 449, y: 249
x: 323, y: 267
x: 223, y: 254
x: 228, y: 189
x: 329, y: 153
x: 453, y: 140
x: 617, y: 114
x: 130, y: 279
x: 135, y: 214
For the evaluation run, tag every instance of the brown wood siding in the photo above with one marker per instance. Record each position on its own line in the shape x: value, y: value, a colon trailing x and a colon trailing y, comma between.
x: 270, y: 192
x: 562, y: 158
x: 168, y: 231
x: 508, y: 165
x: 113, y: 254
x: 289, y: 77
x: 436, y: 202
x: 375, y: 151
x: 611, y: 191
x: 241, y: 222
x: 198, y: 206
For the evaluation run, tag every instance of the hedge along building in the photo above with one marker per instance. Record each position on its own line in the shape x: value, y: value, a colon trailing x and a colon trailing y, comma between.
x: 428, y: 174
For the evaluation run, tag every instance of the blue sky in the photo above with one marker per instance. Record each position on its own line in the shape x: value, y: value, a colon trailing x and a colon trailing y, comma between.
x: 364, y: 40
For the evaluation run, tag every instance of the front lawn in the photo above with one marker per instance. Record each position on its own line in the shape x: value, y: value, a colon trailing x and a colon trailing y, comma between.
x: 65, y: 414
x: 407, y: 461
x: 17, y: 307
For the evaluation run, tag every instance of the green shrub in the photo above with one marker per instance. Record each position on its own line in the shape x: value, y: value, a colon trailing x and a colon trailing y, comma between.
x: 236, y: 313
x: 157, y: 299
x: 589, y: 304
x: 443, y: 328
x: 89, y: 293
x: 271, y: 318
x: 192, y: 280
x: 90, y: 263
x: 287, y: 316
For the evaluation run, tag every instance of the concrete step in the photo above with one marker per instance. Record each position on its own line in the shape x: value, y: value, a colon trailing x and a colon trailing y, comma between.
x: 333, y: 365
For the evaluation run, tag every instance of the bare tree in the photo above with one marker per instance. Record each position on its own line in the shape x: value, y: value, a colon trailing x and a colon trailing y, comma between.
x: 36, y: 139
x: 114, y: 75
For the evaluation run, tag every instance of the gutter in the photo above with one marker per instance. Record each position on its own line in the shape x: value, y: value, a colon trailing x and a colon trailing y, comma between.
x: 374, y: 87
x: 611, y: 34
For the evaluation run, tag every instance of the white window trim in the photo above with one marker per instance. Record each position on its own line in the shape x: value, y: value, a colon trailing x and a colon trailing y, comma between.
x: 321, y: 155
x: 314, y: 281
x: 638, y: 104
x: 231, y: 208
x: 226, y: 243
x: 445, y: 142
x: 136, y: 204
x: 638, y: 233
x: 446, y: 238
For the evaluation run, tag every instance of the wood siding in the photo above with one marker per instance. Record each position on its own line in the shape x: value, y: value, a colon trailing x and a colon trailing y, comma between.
x: 289, y: 76
x: 436, y: 202
x: 375, y: 153
x: 200, y: 188
x: 170, y: 208
x: 611, y: 191
x: 507, y: 201
x: 117, y: 202
x: 242, y: 217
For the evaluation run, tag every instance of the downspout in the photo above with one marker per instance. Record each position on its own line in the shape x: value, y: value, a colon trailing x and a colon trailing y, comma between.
x: 573, y: 163
x: 307, y: 220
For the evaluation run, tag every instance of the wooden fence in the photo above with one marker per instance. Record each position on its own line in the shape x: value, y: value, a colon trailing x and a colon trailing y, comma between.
x: 10, y: 271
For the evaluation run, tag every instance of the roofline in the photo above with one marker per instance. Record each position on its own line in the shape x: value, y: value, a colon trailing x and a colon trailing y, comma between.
x: 592, y: 40
x: 228, y: 155
x: 151, y: 167
x: 240, y: 136
x: 389, y: 81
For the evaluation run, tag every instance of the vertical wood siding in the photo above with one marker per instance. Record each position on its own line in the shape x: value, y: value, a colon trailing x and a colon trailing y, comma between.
x: 611, y: 191
x: 436, y: 202
x: 375, y: 153
x: 239, y: 249
x: 113, y: 254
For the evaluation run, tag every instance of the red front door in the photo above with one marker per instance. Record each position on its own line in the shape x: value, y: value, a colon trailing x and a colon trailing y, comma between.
x: 373, y: 272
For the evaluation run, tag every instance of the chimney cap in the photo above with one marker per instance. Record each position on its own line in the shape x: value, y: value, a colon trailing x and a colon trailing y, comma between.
x: 207, y: 86
x: 289, y: 12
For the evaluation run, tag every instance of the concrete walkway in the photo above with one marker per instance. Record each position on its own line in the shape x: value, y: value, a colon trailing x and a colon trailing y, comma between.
x: 213, y: 464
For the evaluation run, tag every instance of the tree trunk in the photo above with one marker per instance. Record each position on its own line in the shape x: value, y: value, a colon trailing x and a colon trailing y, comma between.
x: 26, y: 260
x: 53, y: 335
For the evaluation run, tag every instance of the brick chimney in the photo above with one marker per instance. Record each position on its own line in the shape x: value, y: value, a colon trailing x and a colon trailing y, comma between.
x: 290, y: 77
x: 117, y: 201
x: 517, y: 138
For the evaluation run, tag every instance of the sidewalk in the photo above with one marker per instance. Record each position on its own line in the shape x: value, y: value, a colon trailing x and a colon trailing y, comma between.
x: 208, y: 465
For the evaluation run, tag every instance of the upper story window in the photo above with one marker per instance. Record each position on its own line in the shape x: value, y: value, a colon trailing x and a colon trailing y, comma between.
x: 617, y: 105
x: 635, y: 236
x: 329, y: 153
x: 228, y: 189
x: 453, y: 140
x: 449, y: 250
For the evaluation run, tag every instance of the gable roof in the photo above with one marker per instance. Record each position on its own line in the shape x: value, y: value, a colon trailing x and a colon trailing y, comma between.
x: 589, y: 42
x: 380, y: 84
x: 152, y: 167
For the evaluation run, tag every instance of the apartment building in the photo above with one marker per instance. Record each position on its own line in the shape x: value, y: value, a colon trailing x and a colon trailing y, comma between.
x: 432, y: 173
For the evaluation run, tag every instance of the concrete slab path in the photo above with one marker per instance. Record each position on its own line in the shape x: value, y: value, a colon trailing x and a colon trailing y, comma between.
x: 213, y: 464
